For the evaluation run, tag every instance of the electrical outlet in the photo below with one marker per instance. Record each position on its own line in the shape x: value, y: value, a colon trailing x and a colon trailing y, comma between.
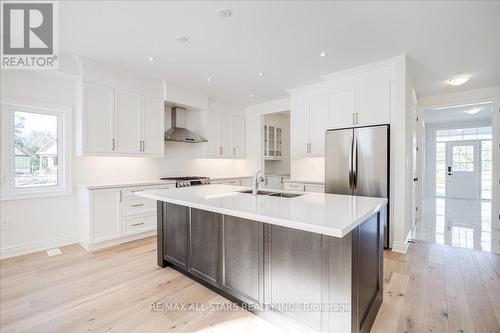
x: 5, y: 225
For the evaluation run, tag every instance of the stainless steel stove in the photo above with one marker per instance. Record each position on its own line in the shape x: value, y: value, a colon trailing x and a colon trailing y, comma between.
x: 189, y: 181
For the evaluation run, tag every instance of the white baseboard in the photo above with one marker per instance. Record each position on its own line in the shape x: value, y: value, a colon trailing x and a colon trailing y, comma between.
x: 117, y: 241
x: 400, y: 247
x: 19, y: 250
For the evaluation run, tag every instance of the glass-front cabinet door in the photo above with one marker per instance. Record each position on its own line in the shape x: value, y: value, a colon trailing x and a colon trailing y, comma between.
x: 266, y: 141
x: 272, y: 140
x: 278, y: 143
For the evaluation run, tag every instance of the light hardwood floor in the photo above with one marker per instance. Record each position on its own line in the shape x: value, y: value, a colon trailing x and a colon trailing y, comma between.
x: 434, y: 288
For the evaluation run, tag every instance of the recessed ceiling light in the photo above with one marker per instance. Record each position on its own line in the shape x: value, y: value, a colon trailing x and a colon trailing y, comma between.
x: 151, y: 58
x: 251, y: 96
x: 473, y: 110
x: 209, y: 79
x: 182, y: 39
x: 458, y: 79
x: 323, y: 54
x: 261, y: 74
x: 224, y: 12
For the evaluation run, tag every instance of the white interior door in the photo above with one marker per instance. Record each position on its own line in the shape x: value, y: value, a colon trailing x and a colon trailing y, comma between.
x: 463, y: 170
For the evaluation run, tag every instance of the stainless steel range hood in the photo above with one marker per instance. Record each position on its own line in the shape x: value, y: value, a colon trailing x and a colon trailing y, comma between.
x: 181, y: 134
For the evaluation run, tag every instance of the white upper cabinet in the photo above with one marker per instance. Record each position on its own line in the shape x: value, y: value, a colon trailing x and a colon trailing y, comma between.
x: 348, y: 99
x: 341, y: 108
x: 318, y: 119
x: 152, y: 126
x: 98, y: 103
x: 238, y: 136
x: 127, y: 139
x: 225, y: 136
x: 119, y: 113
x: 374, y: 104
x: 308, y: 123
x: 299, y: 124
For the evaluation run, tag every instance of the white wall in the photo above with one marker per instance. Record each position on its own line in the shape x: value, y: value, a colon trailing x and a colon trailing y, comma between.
x: 41, y: 223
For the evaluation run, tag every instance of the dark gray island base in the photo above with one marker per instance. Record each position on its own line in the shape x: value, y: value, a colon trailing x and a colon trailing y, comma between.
x: 300, y: 280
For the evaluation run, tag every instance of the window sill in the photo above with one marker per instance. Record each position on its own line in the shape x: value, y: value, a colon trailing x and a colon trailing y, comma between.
x: 36, y: 195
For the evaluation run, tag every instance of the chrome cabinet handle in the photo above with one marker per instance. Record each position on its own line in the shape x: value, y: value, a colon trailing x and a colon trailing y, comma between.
x: 354, y: 118
x: 137, y: 224
x: 137, y: 205
x: 113, y: 144
x: 234, y: 151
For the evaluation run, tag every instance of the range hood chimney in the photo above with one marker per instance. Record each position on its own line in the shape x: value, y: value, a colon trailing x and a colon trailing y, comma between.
x: 181, y: 134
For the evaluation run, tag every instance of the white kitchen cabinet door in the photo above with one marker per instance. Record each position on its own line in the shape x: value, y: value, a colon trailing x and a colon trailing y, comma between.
x: 98, y: 118
x: 341, y: 108
x: 226, y: 135
x: 153, y: 126
x: 214, y: 146
x: 299, y: 125
x: 238, y: 136
x: 127, y: 122
x: 318, y: 118
x: 105, y: 214
x: 374, y: 104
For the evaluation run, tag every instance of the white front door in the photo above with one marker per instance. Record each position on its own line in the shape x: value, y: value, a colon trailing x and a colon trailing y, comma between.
x: 463, y: 170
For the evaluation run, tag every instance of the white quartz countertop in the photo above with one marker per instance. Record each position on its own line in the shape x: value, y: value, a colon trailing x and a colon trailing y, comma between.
x: 103, y: 185
x: 328, y: 214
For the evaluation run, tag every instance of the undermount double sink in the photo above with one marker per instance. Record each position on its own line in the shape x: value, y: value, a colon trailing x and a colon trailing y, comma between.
x: 274, y: 194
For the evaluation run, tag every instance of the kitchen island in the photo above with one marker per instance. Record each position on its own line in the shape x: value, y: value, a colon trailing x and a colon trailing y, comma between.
x: 309, y: 262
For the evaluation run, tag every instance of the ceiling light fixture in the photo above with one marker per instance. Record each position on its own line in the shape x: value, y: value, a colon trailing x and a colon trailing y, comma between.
x: 182, y: 39
x: 151, y: 58
x: 473, y: 110
x: 323, y: 54
x: 458, y: 79
x: 224, y: 12
x: 261, y: 74
x: 251, y: 96
x: 209, y: 79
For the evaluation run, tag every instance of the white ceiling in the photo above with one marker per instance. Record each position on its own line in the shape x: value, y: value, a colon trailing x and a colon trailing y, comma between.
x: 283, y: 40
x: 457, y: 114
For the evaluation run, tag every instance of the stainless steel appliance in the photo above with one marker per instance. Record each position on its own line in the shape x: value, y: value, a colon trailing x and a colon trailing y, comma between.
x: 180, y: 134
x: 357, y: 163
x: 189, y: 181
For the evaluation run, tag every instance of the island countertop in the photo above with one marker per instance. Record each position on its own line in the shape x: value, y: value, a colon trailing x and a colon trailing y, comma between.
x: 328, y: 214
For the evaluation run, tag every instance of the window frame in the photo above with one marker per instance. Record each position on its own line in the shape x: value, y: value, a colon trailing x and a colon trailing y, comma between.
x: 63, y: 114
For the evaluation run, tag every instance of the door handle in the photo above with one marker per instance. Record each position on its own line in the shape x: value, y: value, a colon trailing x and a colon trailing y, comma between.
x: 351, y: 162
x: 355, y: 165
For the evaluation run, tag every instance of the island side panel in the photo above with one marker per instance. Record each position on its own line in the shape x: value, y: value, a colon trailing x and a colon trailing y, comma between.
x: 160, y: 211
x: 367, y: 272
x: 341, y: 289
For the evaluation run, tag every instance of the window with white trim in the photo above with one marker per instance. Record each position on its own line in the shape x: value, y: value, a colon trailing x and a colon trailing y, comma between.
x: 35, y: 156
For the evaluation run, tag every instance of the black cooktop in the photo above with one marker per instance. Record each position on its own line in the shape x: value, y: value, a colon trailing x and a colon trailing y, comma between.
x: 184, y: 178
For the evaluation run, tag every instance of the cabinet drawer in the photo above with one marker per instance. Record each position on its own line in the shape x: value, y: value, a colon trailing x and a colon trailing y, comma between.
x: 137, y: 224
x: 314, y: 188
x: 233, y: 182
x: 294, y: 187
x: 137, y: 205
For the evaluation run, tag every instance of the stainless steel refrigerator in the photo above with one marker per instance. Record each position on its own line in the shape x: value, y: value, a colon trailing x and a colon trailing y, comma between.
x: 357, y: 163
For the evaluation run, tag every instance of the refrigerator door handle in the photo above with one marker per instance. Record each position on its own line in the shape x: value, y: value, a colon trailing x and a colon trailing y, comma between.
x: 351, y: 164
x: 355, y: 164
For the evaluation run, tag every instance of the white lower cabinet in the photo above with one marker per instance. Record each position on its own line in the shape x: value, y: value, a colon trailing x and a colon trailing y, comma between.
x: 112, y: 216
x: 105, y: 215
x: 137, y: 224
x: 304, y: 187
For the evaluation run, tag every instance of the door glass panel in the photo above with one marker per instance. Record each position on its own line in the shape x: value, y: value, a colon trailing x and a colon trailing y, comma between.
x: 440, y: 168
x: 463, y: 158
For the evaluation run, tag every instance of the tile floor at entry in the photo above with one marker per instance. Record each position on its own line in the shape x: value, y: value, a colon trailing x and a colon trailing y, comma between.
x: 459, y: 222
